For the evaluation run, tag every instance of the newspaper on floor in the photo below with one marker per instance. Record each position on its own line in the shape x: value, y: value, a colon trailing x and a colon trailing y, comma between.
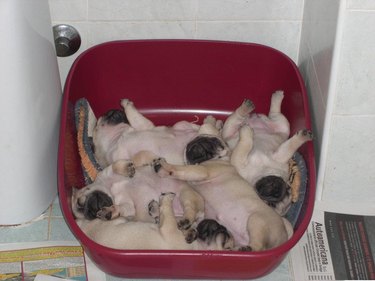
x: 46, y: 261
x: 339, y: 244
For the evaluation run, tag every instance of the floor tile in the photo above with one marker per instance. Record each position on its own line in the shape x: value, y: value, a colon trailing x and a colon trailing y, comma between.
x: 59, y: 230
x: 31, y: 232
x: 56, y: 210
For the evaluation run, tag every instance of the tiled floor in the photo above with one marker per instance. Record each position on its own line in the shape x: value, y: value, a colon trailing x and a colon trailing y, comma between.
x: 52, y: 227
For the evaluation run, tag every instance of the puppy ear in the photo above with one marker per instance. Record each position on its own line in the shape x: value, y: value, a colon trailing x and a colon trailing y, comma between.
x: 74, y: 192
x: 74, y: 206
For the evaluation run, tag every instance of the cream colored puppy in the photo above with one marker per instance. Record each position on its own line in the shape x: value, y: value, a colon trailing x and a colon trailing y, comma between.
x: 131, y: 189
x: 229, y: 198
x: 134, y: 235
x: 262, y: 150
x: 115, y: 139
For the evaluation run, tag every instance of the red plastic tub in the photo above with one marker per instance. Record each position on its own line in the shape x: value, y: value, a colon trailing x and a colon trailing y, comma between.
x: 171, y: 80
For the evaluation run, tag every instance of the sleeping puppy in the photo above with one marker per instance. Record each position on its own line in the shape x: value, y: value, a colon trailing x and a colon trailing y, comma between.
x: 231, y: 200
x: 116, y: 139
x: 121, y: 233
x: 262, y: 150
x: 131, y: 189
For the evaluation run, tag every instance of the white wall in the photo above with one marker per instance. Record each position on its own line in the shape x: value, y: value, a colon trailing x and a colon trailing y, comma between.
x: 315, y: 58
x: 270, y: 22
x: 337, y: 61
x: 350, y: 173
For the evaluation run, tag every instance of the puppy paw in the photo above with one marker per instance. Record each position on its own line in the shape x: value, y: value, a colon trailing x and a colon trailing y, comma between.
x: 124, y: 167
x: 106, y: 213
x: 305, y: 134
x: 210, y: 120
x: 278, y: 94
x: 157, y: 164
x: 166, y: 196
x: 125, y: 102
x: 130, y: 169
x: 191, y: 235
x: 245, y: 249
x: 246, y: 107
x: 184, y: 224
x: 153, y: 210
x: 160, y: 167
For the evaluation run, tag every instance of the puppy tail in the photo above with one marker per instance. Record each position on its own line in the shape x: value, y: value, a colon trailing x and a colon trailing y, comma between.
x: 288, y: 227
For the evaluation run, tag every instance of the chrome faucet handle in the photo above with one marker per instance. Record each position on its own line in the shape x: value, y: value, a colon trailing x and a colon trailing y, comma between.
x: 67, y: 40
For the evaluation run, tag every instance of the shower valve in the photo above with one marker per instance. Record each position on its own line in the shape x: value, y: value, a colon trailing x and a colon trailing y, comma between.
x: 67, y: 40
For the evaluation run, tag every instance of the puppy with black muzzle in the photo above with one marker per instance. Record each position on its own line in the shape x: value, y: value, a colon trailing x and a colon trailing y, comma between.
x: 262, y: 149
x: 121, y: 233
x: 131, y: 189
x: 229, y: 198
x: 120, y: 135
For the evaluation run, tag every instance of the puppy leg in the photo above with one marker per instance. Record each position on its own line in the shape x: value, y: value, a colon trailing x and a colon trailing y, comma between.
x: 236, y: 119
x: 135, y: 118
x: 289, y: 147
x: 257, y: 229
x: 168, y: 224
x: 267, y: 230
x: 193, y: 207
x: 124, y: 167
x: 280, y: 123
x: 243, y: 148
x: 276, y: 100
x: 181, y: 172
x: 143, y: 158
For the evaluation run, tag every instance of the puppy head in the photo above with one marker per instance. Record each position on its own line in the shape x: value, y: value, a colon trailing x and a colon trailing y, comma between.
x: 108, y: 127
x: 87, y: 204
x: 271, y: 188
x: 275, y: 192
x: 204, y: 148
x: 114, y: 117
x: 215, y: 235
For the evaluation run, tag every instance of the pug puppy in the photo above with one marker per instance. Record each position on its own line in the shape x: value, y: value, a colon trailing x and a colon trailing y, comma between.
x: 262, y: 149
x: 131, y: 189
x: 120, y: 135
x: 121, y: 233
x: 230, y: 199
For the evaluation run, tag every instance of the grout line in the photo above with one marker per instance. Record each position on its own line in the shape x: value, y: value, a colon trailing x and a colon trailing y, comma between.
x: 196, y: 19
x: 363, y: 10
x: 87, y: 11
x: 354, y: 115
x: 49, y: 228
x: 180, y: 20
